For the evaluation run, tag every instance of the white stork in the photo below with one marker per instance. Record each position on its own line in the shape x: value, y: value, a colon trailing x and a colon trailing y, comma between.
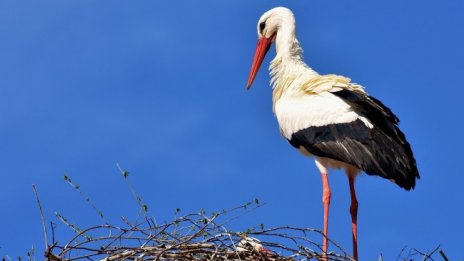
x: 330, y: 118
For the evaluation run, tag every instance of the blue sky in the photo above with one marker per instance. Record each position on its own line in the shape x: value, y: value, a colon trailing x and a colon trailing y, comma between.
x: 159, y: 87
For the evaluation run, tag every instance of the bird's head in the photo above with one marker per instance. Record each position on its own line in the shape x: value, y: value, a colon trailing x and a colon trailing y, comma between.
x: 252, y: 244
x: 268, y: 27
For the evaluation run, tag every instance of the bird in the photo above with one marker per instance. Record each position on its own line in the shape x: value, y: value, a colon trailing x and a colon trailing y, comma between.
x: 248, y: 244
x: 330, y: 118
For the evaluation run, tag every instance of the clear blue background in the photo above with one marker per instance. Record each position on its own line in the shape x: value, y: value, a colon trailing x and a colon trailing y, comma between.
x: 159, y: 87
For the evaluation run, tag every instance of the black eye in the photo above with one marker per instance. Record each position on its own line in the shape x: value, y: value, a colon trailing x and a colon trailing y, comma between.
x: 261, y: 26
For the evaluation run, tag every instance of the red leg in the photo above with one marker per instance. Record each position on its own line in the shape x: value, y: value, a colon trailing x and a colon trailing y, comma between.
x: 326, y: 202
x: 354, y: 216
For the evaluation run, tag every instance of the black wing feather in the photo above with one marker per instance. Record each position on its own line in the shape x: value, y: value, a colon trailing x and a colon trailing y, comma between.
x: 382, y: 150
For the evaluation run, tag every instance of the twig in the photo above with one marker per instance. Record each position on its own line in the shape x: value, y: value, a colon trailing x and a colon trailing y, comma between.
x: 143, y: 207
x: 53, y: 226
x: 442, y: 254
x: 42, y: 216
x: 427, y: 256
x: 401, y: 253
x: 70, y: 225
x: 86, y: 198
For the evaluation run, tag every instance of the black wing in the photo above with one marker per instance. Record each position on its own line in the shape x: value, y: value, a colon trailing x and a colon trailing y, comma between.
x: 382, y: 150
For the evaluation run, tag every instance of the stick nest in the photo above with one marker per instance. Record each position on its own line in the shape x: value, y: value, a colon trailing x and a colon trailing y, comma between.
x: 192, y: 237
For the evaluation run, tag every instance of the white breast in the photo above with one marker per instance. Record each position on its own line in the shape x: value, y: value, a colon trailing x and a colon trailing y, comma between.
x: 297, y: 113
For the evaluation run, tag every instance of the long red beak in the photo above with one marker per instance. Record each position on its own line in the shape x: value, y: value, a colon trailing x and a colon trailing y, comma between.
x: 261, y: 50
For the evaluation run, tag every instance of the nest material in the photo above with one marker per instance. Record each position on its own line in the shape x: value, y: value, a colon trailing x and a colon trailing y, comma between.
x: 197, y: 237
x: 192, y: 237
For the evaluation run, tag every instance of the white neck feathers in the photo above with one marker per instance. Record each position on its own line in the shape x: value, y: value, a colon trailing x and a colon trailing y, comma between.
x: 288, y: 70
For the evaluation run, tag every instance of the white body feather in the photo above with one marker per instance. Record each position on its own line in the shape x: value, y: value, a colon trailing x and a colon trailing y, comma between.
x: 298, y: 113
